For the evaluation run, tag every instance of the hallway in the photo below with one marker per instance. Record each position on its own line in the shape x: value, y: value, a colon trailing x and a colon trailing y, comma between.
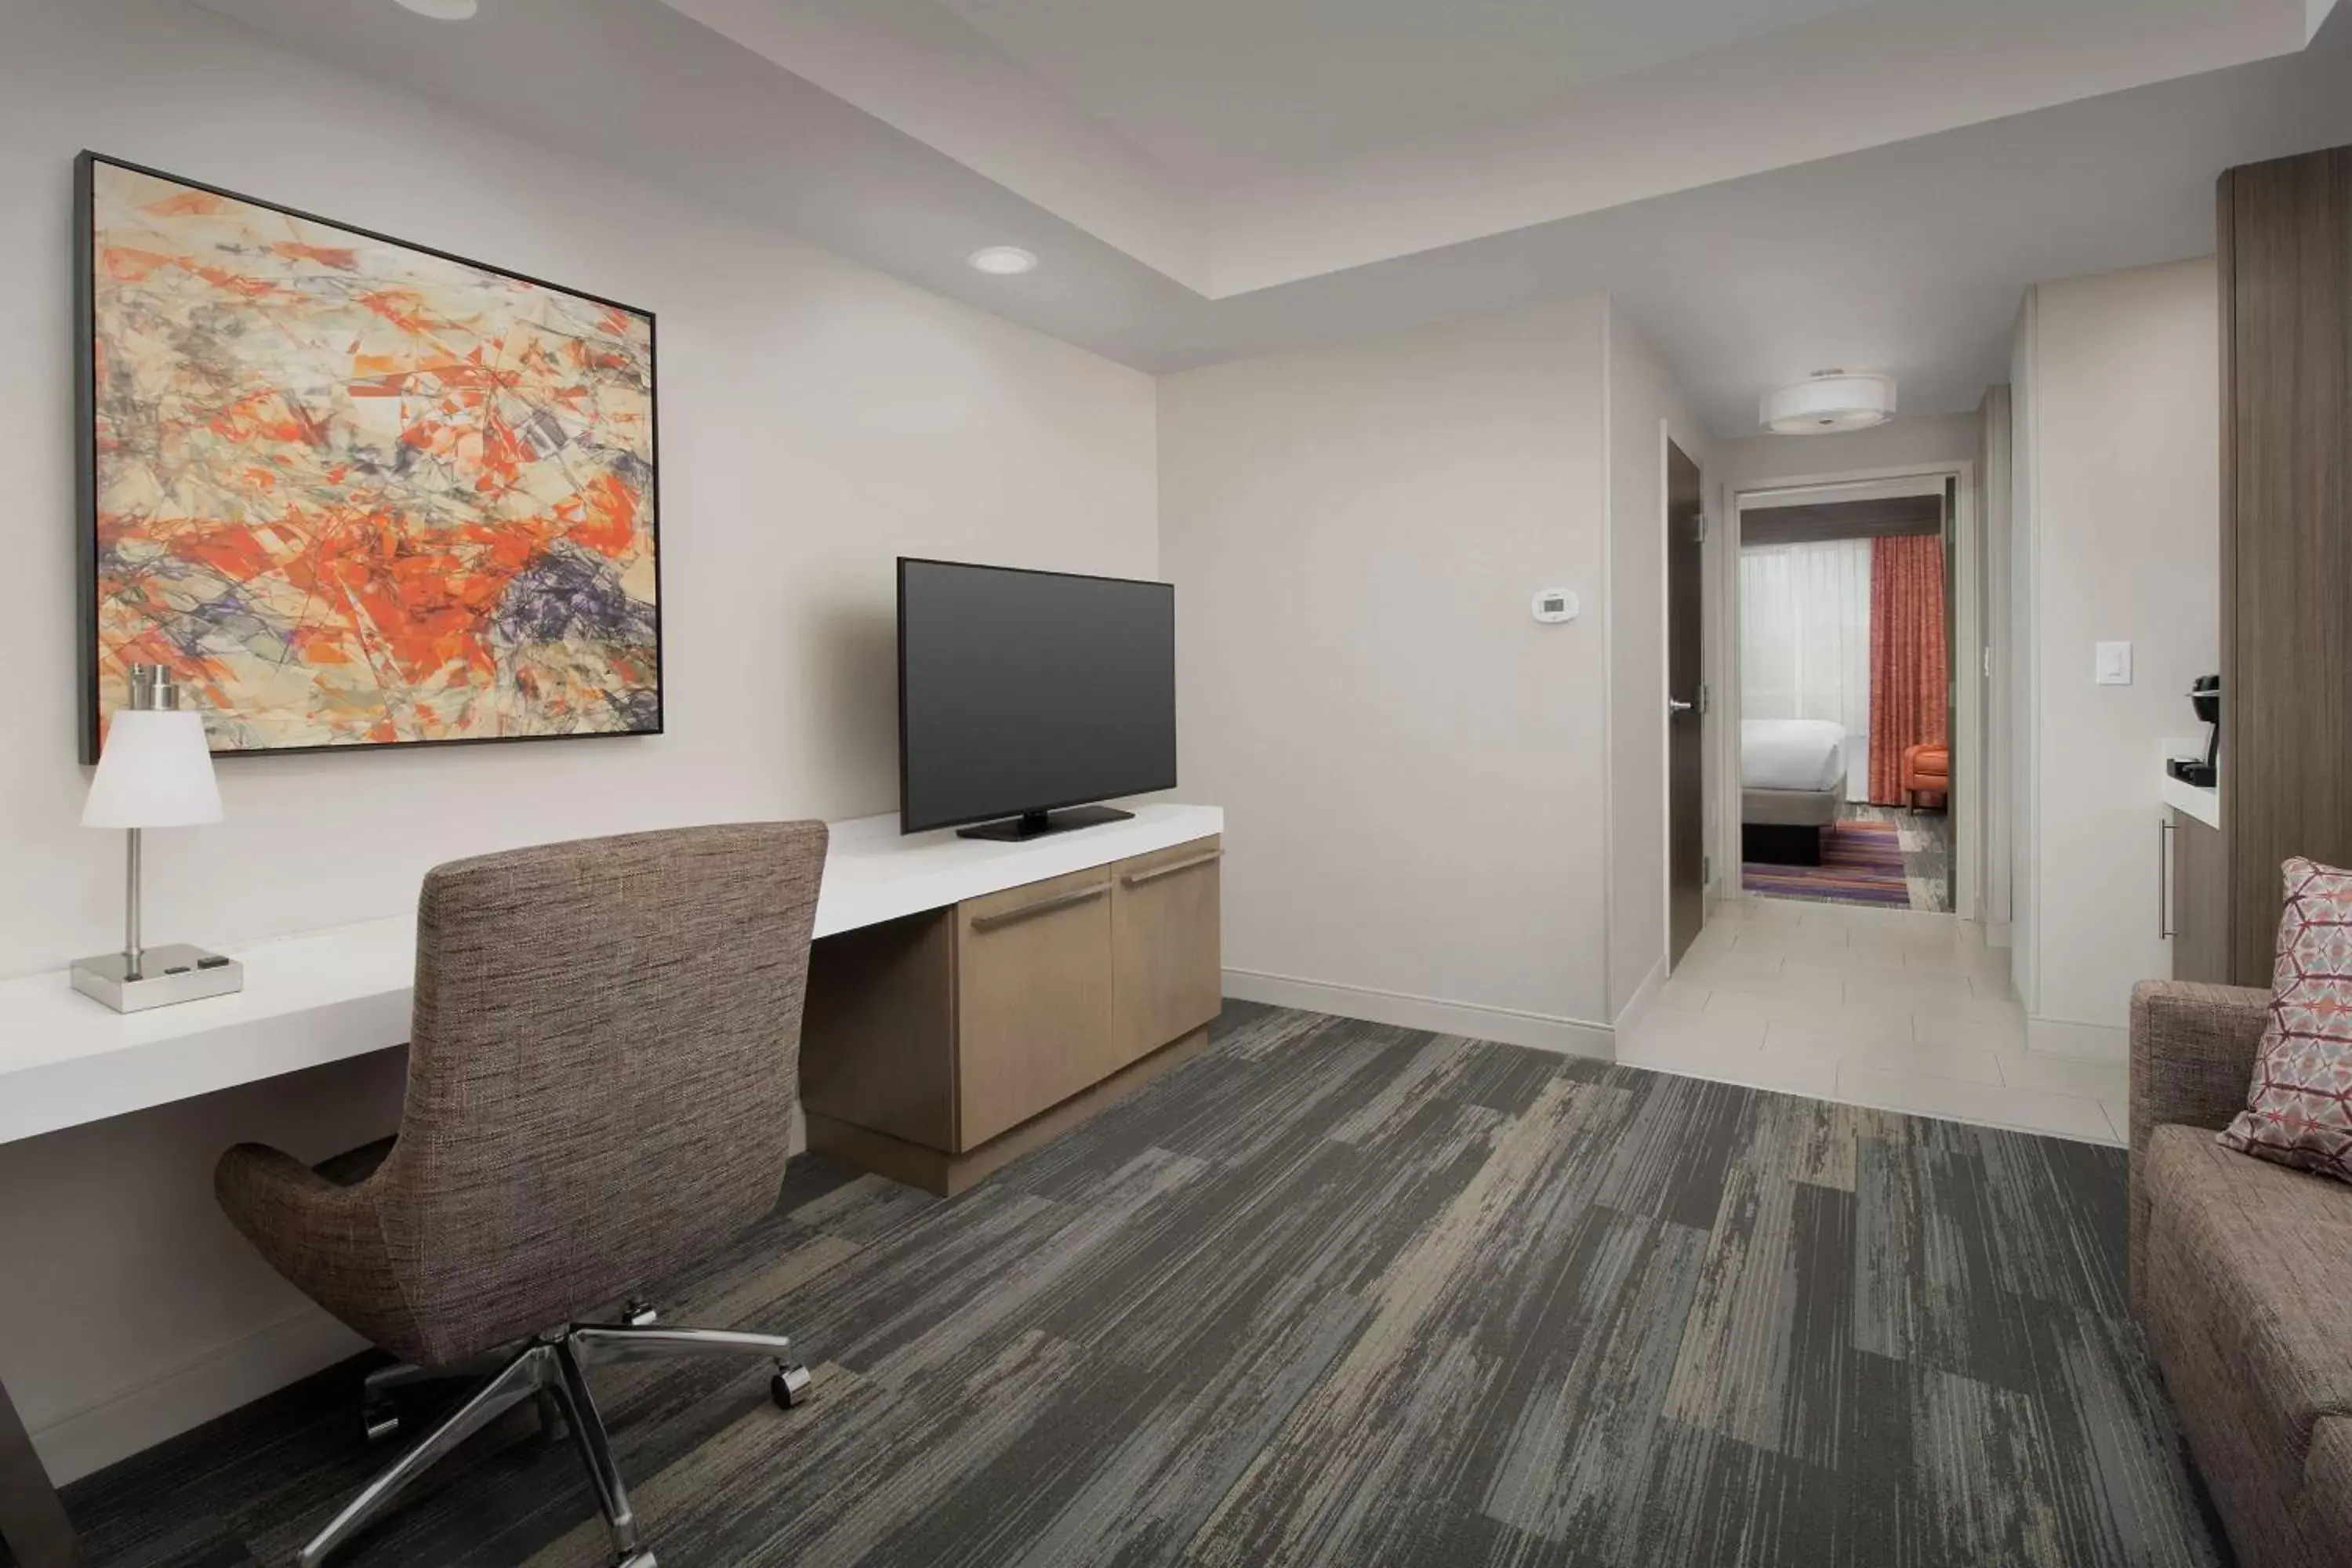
x: 1890, y: 1008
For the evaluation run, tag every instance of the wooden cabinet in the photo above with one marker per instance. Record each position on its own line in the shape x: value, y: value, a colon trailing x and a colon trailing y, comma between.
x: 1033, y: 988
x: 938, y: 1046
x: 1166, y: 973
x: 2197, y: 879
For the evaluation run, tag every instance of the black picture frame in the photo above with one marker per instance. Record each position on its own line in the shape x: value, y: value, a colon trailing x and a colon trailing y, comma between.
x: 85, y: 360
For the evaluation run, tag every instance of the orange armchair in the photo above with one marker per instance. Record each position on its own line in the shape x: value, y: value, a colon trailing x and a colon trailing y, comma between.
x: 1927, y: 770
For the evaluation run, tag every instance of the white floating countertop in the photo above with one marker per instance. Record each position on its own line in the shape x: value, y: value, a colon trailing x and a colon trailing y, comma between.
x: 874, y: 874
x: 2202, y: 802
x: 318, y: 997
x: 325, y: 996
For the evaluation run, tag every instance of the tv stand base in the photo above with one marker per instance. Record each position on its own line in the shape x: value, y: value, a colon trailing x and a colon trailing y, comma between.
x: 1037, y: 824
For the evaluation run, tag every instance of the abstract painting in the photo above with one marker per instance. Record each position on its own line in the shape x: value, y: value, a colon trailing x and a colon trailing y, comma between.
x: 353, y: 491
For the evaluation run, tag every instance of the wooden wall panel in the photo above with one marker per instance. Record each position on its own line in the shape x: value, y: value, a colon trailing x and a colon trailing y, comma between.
x: 2224, y: 938
x: 2286, y: 783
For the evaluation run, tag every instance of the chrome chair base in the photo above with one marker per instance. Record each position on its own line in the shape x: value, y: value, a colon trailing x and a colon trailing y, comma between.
x: 553, y: 1369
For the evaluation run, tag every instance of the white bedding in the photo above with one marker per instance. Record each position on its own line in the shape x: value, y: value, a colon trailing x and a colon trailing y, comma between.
x: 1793, y: 753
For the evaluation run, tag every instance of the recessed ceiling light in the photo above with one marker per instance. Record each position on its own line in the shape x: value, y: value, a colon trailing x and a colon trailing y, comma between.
x: 997, y: 260
x: 444, y: 10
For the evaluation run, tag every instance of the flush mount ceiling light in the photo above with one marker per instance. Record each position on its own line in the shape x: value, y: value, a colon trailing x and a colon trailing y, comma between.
x: 1831, y: 400
x: 443, y: 10
x: 1002, y: 261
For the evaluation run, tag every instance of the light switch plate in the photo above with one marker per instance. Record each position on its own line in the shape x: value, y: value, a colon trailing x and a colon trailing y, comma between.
x: 2113, y: 664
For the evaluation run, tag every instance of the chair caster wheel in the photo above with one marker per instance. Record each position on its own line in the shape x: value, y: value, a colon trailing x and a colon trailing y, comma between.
x: 382, y: 1425
x: 790, y: 1387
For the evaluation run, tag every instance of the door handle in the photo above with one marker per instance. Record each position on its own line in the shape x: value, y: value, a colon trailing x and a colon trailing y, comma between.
x: 1676, y: 706
x: 1042, y: 907
x: 1153, y: 873
x: 2164, y: 829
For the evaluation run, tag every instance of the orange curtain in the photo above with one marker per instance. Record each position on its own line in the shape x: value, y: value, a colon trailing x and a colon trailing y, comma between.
x: 1907, y: 674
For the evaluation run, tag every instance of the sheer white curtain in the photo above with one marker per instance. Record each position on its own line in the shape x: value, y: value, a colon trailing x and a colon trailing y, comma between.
x: 1804, y: 640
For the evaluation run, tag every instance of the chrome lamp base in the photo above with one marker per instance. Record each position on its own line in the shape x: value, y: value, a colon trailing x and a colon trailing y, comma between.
x: 174, y: 972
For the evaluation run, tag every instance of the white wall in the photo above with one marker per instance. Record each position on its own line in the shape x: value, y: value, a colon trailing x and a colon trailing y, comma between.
x: 2118, y: 421
x: 1645, y: 409
x: 1414, y: 771
x: 816, y: 419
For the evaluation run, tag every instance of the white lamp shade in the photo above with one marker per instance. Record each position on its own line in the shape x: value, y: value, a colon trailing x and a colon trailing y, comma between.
x: 156, y: 772
x: 1831, y: 402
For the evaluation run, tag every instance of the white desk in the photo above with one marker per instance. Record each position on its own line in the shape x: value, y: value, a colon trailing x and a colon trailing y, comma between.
x: 323, y: 996
x: 343, y: 992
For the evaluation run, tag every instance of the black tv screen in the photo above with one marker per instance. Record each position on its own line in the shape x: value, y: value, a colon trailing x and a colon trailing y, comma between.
x: 1021, y: 692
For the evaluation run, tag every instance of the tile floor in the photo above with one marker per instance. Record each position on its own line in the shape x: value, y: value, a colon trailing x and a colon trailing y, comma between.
x: 1892, y: 1008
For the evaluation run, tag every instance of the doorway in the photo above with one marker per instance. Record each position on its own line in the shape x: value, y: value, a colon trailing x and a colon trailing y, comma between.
x: 1853, y: 736
x: 1685, y: 705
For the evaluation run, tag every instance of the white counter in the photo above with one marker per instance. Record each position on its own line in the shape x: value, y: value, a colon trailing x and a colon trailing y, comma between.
x: 872, y: 874
x: 2202, y: 802
x: 325, y: 996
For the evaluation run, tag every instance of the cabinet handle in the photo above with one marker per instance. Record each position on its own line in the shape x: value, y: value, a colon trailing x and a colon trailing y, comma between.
x: 1137, y: 878
x: 1042, y: 907
x: 2164, y: 830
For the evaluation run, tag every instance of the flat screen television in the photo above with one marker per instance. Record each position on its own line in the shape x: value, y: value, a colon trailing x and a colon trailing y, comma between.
x: 1023, y: 695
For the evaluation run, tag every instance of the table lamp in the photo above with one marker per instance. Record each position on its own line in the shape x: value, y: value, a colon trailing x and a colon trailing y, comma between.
x: 155, y: 771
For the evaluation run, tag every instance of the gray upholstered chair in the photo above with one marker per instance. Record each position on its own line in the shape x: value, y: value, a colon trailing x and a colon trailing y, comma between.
x: 600, y: 1076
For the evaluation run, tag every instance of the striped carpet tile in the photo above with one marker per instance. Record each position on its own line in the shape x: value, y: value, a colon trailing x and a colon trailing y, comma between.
x: 1339, y: 1293
x: 1862, y: 863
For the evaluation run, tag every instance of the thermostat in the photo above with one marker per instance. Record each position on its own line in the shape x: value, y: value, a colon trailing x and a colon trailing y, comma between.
x: 1555, y: 604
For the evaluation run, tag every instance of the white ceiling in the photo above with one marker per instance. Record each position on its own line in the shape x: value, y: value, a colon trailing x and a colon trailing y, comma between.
x: 1224, y: 91
x: 1237, y: 144
x: 1798, y: 229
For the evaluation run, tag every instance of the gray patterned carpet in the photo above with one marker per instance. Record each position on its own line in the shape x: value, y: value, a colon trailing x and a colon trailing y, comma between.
x: 1343, y: 1294
x: 1926, y: 852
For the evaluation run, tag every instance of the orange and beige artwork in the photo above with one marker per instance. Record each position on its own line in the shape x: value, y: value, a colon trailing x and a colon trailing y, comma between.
x: 357, y: 493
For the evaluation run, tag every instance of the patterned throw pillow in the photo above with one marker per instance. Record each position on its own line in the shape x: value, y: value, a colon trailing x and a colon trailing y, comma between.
x: 2299, y: 1109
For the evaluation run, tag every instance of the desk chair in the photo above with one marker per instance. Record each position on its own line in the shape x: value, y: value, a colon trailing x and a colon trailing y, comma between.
x: 601, y: 1075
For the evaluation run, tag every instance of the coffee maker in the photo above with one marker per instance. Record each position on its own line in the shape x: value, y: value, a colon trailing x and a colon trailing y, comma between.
x: 2205, y: 696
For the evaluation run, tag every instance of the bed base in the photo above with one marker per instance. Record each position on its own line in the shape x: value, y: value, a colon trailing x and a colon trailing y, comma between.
x: 1779, y: 844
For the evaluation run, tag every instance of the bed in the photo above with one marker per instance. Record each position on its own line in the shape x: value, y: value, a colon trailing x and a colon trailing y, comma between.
x: 1792, y: 776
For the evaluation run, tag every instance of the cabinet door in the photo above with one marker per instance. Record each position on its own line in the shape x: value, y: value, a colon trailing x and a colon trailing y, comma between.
x: 1032, y: 999
x: 2200, y: 902
x: 1165, y: 937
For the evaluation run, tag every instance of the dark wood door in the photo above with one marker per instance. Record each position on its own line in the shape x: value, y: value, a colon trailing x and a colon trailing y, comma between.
x: 1686, y: 676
